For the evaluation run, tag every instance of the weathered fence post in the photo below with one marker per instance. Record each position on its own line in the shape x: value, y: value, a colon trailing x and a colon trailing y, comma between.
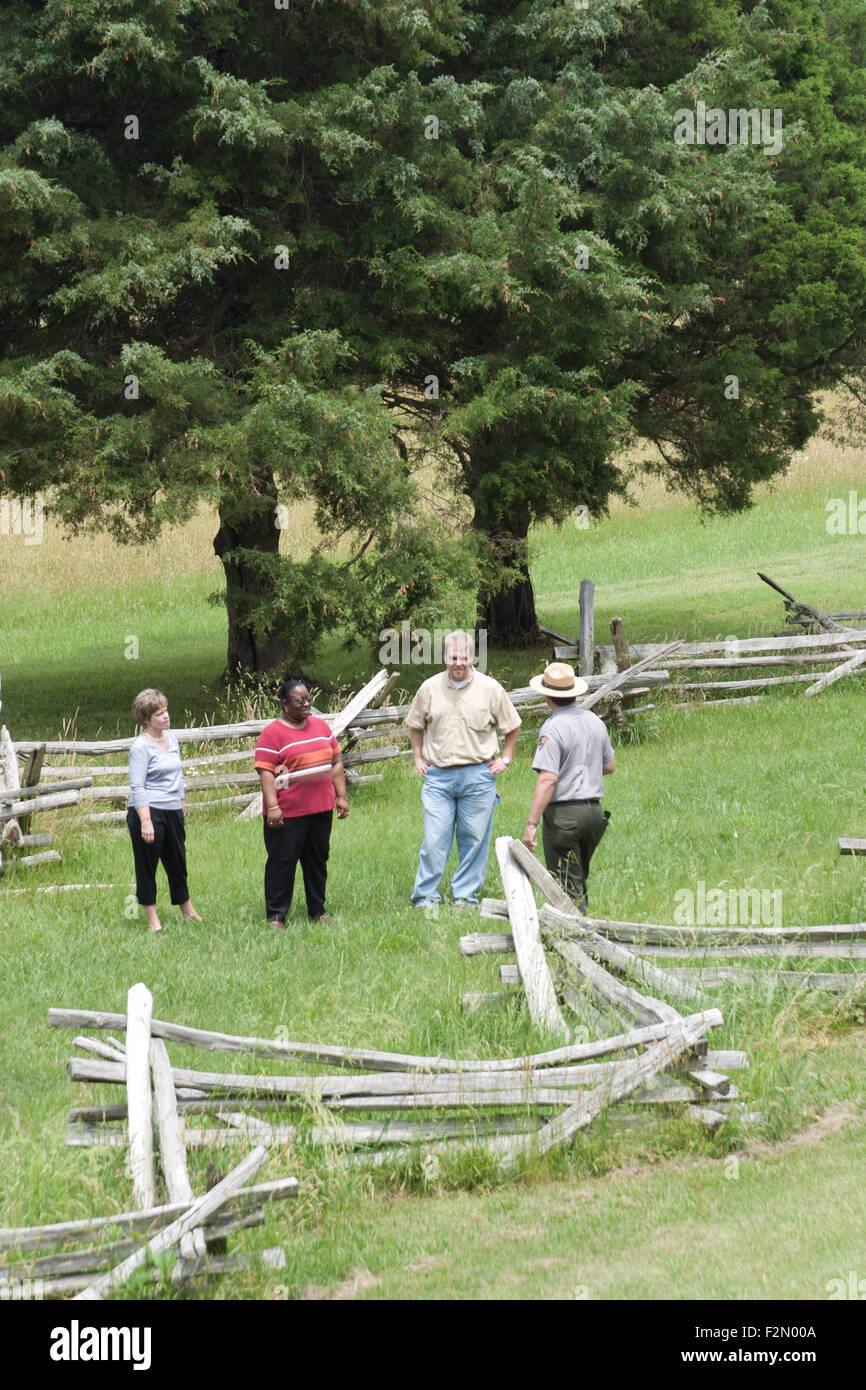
x: 10, y: 783
x: 32, y: 773
x: 620, y: 645
x: 169, y: 1127
x: 139, y: 1100
x: 587, y: 628
x: 540, y: 994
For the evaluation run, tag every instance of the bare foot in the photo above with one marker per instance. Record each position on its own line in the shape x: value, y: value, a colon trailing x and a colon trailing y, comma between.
x: 151, y: 917
x: 276, y: 923
x: 188, y: 911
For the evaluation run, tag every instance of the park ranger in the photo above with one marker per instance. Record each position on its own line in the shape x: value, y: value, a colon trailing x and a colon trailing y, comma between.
x: 573, y: 754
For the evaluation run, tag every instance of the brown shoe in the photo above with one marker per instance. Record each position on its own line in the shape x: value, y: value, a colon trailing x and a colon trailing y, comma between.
x: 323, y: 917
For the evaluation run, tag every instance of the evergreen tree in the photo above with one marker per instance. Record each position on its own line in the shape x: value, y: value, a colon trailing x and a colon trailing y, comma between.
x: 261, y: 253
x: 616, y: 283
x: 180, y: 191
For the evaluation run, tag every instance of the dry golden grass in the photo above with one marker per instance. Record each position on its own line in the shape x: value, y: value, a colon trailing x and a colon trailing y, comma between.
x: 822, y: 461
x: 94, y: 561
x: 60, y: 562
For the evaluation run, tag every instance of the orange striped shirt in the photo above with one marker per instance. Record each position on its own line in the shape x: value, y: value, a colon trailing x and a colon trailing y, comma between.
x: 307, y: 754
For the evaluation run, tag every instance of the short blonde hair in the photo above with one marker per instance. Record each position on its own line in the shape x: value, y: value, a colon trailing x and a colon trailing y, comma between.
x: 147, y: 703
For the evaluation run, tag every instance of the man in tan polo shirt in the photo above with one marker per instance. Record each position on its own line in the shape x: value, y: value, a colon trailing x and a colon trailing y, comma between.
x: 454, y: 723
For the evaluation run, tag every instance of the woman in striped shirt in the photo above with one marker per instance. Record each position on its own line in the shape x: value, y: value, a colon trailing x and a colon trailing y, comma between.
x: 299, y: 764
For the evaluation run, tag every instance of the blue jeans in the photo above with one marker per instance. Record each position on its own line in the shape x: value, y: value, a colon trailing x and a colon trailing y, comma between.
x: 460, y: 799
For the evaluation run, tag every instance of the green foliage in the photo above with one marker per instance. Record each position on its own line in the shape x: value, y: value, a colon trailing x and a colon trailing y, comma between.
x: 199, y: 368
x: 287, y: 223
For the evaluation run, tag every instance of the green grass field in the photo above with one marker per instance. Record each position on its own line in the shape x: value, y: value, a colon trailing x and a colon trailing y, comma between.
x: 752, y: 796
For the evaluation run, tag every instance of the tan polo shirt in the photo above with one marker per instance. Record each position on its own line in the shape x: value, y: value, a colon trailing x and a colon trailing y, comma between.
x: 461, y: 726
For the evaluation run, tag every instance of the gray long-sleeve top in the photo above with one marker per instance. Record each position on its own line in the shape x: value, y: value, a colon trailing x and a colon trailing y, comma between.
x: 155, y: 774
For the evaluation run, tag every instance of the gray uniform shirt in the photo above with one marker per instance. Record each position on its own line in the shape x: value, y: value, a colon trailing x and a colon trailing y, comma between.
x: 574, y: 744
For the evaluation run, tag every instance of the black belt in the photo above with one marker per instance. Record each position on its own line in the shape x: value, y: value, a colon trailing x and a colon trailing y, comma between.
x: 579, y: 801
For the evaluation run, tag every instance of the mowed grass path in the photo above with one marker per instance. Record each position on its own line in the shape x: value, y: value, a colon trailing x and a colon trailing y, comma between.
x: 752, y: 796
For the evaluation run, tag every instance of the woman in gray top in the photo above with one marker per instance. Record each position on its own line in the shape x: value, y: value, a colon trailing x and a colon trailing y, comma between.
x: 155, y: 815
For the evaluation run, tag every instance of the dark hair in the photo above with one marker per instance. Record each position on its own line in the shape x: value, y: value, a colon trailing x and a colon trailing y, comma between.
x: 570, y: 701
x: 289, y: 684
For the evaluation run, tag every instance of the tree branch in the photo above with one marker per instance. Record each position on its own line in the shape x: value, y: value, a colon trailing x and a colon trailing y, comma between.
x: 355, y: 558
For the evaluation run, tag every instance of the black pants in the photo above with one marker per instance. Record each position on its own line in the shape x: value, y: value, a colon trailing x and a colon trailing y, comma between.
x: 168, y: 845
x: 300, y: 838
x: 570, y: 833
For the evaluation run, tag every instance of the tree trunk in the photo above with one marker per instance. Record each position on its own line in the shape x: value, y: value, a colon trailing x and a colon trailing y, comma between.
x: 248, y: 521
x: 509, y: 615
x: 506, y: 605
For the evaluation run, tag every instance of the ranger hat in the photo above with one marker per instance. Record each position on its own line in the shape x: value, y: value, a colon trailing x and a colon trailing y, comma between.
x: 559, y: 681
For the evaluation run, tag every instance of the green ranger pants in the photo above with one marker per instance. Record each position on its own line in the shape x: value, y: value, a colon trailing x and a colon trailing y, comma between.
x: 570, y: 834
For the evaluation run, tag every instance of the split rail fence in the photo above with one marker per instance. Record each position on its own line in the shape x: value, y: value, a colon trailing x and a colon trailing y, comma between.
x: 827, y: 643
x: 36, y: 786
x: 106, y: 1251
x: 374, y: 732
x: 369, y: 1106
x: 606, y: 973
